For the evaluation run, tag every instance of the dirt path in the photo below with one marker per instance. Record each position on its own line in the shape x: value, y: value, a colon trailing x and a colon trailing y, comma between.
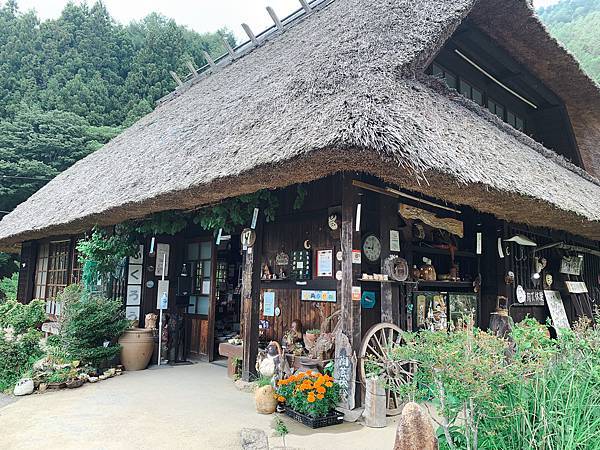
x: 187, y: 407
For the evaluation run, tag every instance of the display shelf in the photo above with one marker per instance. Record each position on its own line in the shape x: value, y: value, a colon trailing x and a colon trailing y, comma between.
x: 446, y: 284
x: 439, y: 251
x: 377, y: 281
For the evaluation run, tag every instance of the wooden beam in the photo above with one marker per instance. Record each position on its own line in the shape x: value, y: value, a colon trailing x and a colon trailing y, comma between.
x: 390, y: 293
x: 306, y: 6
x: 190, y: 66
x: 250, y: 34
x: 26, y: 281
x: 350, y: 240
x: 176, y: 78
x: 208, y: 58
x: 275, y: 19
x: 228, y: 47
x: 251, y: 302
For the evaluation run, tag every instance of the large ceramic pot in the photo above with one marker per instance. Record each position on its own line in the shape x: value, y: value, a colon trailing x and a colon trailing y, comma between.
x: 136, y: 348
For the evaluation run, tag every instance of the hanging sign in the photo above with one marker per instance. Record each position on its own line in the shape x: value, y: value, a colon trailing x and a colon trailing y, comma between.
x: 557, y: 309
x: 133, y: 297
x: 324, y: 263
x: 162, y: 257
x: 254, y: 219
x: 576, y: 287
x: 534, y: 297
x: 521, y: 296
x: 162, y: 295
x: 356, y: 293
x: 571, y: 265
x: 319, y: 296
x: 248, y: 238
x: 269, y: 304
x: 356, y: 256
x: 368, y: 300
x: 282, y: 259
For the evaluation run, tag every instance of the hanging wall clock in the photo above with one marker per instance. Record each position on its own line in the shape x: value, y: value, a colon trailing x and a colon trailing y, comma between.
x: 372, y: 248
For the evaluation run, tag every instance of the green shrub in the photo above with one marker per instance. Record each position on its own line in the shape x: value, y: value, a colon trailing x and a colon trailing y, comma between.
x: 22, y: 317
x: 17, y: 355
x: 90, y: 326
x: 8, y: 287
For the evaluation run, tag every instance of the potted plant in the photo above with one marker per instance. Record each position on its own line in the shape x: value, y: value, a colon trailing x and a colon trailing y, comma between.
x: 310, y: 338
x: 310, y: 398
x: 265, y: 397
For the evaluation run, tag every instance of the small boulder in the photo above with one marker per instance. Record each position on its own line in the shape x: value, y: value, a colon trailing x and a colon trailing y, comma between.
x: 93, y: 379
x: 415, y: 431
x: 24, y: 387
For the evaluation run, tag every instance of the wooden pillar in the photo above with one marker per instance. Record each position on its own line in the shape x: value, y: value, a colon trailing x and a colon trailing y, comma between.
x: 251, y: 302
x: 390, y: 293
x: 27, y: 264
x: 350, y: 240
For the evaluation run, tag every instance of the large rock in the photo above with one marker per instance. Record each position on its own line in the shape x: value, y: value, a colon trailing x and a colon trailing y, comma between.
x: 254, y: 439
x: 415, y: 431
x: 24, y: 387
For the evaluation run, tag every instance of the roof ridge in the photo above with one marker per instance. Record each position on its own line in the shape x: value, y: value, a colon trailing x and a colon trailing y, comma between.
x: 308, y: 8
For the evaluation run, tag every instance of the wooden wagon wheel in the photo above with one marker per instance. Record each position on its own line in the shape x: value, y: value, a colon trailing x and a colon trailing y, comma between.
x: 377, y: 345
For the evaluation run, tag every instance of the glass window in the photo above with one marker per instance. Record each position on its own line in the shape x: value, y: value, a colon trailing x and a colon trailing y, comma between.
x: 519, y: 124
x: 477, y: 96
x: 52, y: 268
x: 41, y: 272
x: 450, y: 80
x: 496, y: 108
x: 465, y: 89
x: 199, y: 259
x: 449, y: 77
x: 193, y: 251
x: 205, y: 250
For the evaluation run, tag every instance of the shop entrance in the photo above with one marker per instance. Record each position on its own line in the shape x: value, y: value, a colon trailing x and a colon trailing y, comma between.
x: 211, y: 294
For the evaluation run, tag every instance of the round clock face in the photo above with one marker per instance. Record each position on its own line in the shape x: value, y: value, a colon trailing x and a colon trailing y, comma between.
x: 372, y: 248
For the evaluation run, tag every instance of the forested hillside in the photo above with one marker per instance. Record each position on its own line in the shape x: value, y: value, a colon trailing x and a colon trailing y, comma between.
x: 69, y: 85
x: 576, y: 23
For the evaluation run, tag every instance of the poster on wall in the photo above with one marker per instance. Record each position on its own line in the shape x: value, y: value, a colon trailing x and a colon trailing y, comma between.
x: 162, y: 255
x: 557, y: 309
x: 571, y: 265
x: 394, y: 241
x: 534, y: 297
x: 269, y: 304
x: 325, y: 263
x: 576, y: 287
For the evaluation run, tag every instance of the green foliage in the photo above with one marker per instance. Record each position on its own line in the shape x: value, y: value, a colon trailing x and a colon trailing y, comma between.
x: 100, y: 254
x: 22, y: 317
x: 238, y: 211
x: 69, y: 85
x: 575, y: 23
x: 90, y: 326
x: 19, y: 352
x: 309, y: 393
x: 8, y: 287
x: 19, y: 339
x: 168, y: 222
x: 263, y: 381
x: 534, y: 393
x: 300, y: 196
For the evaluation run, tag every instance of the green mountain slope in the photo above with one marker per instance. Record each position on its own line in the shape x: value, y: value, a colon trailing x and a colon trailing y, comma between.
x: 576, y: 23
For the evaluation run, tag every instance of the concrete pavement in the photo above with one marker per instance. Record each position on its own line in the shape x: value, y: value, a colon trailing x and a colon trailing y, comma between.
x: 185, y: 407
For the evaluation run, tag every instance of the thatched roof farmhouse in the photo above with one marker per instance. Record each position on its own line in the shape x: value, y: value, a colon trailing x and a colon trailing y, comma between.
x: 342, y: 88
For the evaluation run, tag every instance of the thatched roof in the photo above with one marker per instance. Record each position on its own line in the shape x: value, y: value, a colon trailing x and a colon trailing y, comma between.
x: 340, y: 90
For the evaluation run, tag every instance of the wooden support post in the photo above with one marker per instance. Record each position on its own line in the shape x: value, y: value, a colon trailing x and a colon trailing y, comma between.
x: 306, y: 6
x: 390, y: 293
x: 350, y: 240
x: 251, y: 302
x: 26, y: 272
x: 275, y: 19
x: 190, y: 65
x: 176, y: 78
x: 228, y: 47
x: 250, y: 34
x: 208, y: 58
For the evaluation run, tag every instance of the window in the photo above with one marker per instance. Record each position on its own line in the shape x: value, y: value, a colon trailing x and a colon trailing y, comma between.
x: 77, y: 267
x: 496, y: 108
x: 471, y: 92
x: 446, y: 75
x: 199, y: 257
x: 52, y: 268
x: 515, y: 121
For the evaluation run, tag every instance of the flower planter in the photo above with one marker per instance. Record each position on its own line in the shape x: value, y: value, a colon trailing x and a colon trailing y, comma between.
x: 333, y: 418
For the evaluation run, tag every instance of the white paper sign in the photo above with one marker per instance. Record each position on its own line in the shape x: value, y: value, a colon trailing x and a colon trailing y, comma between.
x: 394, y: 241
x: 325, y: 263
x: 132, y: 313
x: 134, y: 295
x: 134, y: 275
x: 557, y: 309
x: 162, y: 255
x: 163, y: 288
x: 139, y: 258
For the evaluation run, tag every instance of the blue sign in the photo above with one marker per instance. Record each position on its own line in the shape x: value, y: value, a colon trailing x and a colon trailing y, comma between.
x: 368, y: 299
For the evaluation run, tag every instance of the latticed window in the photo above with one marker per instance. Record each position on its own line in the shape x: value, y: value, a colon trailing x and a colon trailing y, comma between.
x: 52, y: 269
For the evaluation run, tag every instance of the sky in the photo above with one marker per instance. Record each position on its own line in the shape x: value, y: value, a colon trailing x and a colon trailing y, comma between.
x: 199, y: 15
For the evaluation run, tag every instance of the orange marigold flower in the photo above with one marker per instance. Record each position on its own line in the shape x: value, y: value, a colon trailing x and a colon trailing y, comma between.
x: 311, y: 397
x: 328, y: 384
x: 321, y: 390
x: 320, y: 396
x: 281, y: 399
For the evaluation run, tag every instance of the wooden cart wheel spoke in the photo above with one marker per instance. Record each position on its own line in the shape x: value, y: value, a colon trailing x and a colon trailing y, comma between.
x: 377, y: 348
